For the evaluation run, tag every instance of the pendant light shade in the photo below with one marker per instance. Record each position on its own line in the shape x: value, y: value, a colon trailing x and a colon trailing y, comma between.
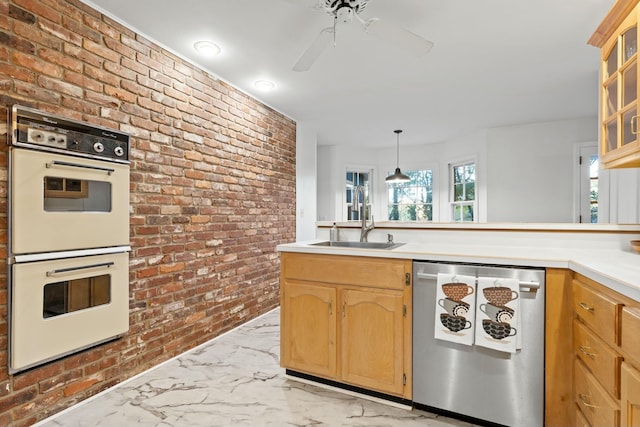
x: 397, y: 176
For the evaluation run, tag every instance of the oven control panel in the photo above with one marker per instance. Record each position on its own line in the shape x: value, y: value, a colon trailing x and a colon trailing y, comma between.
x: 44, y: 131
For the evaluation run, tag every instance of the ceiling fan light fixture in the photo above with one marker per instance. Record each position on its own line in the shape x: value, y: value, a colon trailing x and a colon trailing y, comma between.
x: 398, y: 176
x: 207, y: 48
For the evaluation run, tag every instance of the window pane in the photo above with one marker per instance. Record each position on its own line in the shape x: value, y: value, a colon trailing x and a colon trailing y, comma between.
x: 470, y: 191
x: 612, y: 61
x: 630, y: 81
x: 470, y: 173
x: 458, y: 192
x: 611, y: 95
x: 457, y: 174
x: 411, y: 201
x: 630, y: 42
x: 353, y: 179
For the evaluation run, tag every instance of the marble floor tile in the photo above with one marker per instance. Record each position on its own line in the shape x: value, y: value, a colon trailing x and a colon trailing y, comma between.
x: 234, y: 380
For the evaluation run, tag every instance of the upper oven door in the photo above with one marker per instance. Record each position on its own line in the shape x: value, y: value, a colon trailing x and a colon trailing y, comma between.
x: 65, y: 203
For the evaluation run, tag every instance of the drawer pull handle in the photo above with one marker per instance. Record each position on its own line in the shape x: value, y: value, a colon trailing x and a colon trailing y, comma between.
x: 330, y: 308
x: 585, y: 400
x: 584, y: 351
x: 585, y: 306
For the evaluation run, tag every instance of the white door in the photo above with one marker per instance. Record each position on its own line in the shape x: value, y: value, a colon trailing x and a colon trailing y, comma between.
x: 589, y: 168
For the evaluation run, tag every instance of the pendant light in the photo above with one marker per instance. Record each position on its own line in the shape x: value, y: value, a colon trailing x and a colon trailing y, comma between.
x: 398, y: 176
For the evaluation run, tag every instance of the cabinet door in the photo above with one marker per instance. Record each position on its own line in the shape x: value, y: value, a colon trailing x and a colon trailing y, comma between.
x: 629, y: 331
x: 619, y: 96
x: 630, y: 396
x: 308, y: 342
x: 372, y: 339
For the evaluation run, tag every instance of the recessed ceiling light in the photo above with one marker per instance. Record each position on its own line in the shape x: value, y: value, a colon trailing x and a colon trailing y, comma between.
x: 264, y: 85
x: 207, y: 48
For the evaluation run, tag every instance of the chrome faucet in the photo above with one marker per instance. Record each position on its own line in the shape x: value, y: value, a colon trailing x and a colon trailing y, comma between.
x: 361, y: 208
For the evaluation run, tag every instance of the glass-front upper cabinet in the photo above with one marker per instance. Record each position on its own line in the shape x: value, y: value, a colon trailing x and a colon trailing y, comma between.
x: 620, y: 142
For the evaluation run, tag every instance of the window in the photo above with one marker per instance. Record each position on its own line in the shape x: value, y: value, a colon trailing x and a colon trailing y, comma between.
x: 412, y: 201
x: 463, y: 192
x: 355, y: 178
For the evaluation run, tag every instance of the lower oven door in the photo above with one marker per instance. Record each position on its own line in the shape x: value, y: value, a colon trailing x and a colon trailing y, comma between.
x: 63, y: 202
x: 64, y: 305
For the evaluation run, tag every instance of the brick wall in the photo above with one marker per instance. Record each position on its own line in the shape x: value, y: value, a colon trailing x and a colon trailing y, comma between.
x: 212, y: 191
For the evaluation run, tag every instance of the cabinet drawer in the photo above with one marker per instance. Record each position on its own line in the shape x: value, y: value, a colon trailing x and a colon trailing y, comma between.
x: 599, y: 358
x: 630, y: 341
x: 594, y: 402
x: 347, y: 270
x: 599, y: 311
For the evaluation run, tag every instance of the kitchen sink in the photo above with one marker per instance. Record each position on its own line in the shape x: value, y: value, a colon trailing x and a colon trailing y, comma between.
x: 360, y: 245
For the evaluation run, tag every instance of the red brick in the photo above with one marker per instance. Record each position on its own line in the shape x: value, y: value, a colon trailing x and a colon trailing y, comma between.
x: 191, y: 190
x: 81, y: 385
x: 38, y: 8
x: 35, y: 64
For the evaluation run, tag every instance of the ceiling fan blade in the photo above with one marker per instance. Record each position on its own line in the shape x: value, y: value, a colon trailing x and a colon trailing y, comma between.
x: 313, y: 52
x: 313, y: 4
x: 400, y: 37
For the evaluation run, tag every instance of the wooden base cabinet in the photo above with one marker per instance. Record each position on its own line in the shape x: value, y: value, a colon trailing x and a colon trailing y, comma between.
x: 348, y: 319
x: 372, y: 327
x: 309, y: 325
x: 592, y: 365
x: 630, y: 399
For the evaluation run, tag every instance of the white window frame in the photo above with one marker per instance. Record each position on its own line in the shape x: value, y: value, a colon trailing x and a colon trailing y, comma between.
x: 370, y: 191
x: 433, y: 194
x: 452, y: 202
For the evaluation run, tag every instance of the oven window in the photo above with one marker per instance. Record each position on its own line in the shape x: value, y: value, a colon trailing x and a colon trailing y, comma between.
x: 72, y: 295
x: 76, y: 195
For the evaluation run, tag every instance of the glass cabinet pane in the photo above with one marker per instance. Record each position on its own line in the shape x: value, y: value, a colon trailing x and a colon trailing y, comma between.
x: 611, y: 97
x: 612, y: 61
x: 630, y: 81
x: 630, y: 126
x: 611, y: 135
x: 630, y: 43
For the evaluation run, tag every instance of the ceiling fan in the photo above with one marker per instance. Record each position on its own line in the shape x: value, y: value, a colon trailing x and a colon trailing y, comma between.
x: 344, y: 12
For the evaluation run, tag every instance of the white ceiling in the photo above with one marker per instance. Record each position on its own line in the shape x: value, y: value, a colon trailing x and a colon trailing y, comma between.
x: 494, y: 62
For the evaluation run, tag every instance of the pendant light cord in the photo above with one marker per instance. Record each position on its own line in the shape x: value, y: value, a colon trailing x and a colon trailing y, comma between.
x: 398, y: 132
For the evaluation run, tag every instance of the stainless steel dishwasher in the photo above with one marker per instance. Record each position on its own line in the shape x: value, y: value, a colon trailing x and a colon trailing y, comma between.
x: 479, y: 384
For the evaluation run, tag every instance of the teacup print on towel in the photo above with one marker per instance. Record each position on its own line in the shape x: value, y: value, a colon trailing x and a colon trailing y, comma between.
x: 455, y: 308
x: 498, y: 305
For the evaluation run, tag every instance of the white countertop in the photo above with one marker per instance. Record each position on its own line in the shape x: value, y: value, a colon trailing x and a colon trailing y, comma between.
x: 617, y: 269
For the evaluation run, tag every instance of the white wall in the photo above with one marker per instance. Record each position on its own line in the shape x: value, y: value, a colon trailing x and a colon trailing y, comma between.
x: 622, y: 204
x: 306, y: 191
x: 531, y: 170
x: 525, y: 173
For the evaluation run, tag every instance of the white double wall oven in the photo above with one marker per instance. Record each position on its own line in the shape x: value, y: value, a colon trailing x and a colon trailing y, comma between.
x: 68, y: 236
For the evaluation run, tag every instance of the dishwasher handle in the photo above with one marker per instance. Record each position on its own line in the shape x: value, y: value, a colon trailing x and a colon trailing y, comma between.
x: 523, y: 284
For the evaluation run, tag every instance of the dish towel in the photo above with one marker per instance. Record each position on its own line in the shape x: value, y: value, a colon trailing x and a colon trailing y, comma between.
x: 497, y: 314
x: 455, y: 308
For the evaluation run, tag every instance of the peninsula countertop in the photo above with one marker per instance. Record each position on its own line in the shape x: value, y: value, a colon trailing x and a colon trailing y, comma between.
x: 618, y: 269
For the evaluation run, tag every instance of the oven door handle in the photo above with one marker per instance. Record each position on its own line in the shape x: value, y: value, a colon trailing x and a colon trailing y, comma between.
x: 84, y: 267
x: 52, y: 163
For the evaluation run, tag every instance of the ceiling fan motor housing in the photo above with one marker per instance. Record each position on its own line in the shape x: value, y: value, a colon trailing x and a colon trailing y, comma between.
x: 333, y: 7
